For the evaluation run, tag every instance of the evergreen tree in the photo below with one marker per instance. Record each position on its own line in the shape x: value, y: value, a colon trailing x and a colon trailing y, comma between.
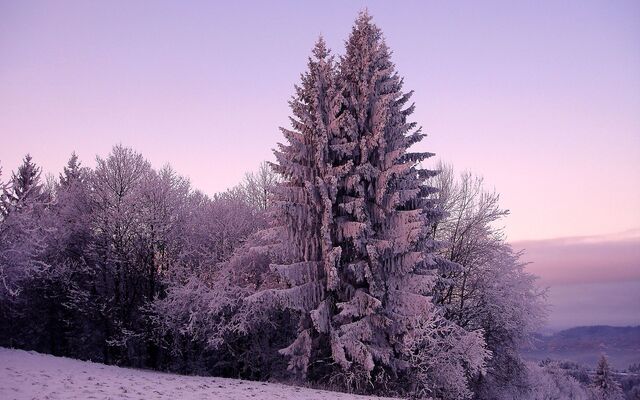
x: 311, y: 168
x: 22, y: 233
x: 72, y: 172
x: 25, y: 186
x: 604, y: 386
x: 381, y: 218
x: 356, y: 211
x: 4, y: 201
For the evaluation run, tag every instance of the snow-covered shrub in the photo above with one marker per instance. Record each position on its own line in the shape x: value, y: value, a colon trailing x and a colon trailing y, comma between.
x: 197, y: 312
x: 483, y: 284
x: 444, y: 358
x: 548, y: 382
x: 206, y: 325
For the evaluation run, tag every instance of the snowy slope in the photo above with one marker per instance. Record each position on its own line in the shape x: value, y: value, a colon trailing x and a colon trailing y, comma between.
x: 30, y: 375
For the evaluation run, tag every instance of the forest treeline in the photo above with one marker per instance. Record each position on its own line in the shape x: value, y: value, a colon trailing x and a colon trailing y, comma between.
x: 343, y: 264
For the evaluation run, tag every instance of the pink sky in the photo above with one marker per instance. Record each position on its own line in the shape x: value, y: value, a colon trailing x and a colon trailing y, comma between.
x: 542, y: 98
x: 592, y: 280
x: 609, y: 258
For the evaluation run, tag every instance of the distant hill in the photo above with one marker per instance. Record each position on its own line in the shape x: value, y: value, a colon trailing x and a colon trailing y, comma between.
x: 585, y: 344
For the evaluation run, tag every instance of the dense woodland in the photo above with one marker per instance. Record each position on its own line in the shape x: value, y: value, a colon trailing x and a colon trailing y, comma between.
x: 344, y: 264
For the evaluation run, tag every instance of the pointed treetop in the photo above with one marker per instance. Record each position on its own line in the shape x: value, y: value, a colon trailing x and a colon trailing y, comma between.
x: 27, y: 175
x: 25, y: 183
x: 73, y: 160
x: 364, y: 18
x: 72, y: 171
x: 320, y: 50
x: 364, y: 26
x: 604, y: 384
x: 603, y: 371
x: 365, y: 44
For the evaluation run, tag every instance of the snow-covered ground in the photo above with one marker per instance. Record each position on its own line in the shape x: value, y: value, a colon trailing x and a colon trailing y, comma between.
x: 30, y: 375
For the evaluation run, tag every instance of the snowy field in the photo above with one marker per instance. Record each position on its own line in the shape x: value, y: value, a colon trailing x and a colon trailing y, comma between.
x: 30, y: 375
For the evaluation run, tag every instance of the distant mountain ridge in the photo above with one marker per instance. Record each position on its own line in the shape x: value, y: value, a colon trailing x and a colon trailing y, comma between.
x: 585, y: 344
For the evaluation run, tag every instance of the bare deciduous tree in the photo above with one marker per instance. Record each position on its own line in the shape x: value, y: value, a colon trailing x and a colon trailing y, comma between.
x: 258, y: 186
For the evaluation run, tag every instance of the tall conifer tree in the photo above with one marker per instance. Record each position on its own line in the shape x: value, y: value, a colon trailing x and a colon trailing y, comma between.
x: 604, y: 386
x: 25, y: 186
x: 312, y: 164
x: 356, y: 211
x: 72, y: 172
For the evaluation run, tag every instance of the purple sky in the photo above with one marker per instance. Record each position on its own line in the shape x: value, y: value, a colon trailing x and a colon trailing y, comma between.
x: 591, y: 280
x: 542, y: 98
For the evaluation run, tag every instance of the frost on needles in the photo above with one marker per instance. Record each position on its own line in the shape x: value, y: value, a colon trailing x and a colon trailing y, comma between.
x: 357, y: 211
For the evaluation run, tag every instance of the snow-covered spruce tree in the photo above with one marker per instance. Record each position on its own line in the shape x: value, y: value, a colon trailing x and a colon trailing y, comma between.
x: 54, y: 238
x: 604, y: 386
x: 312, y: 164
x: 357, y: 211
x: 23, y: 239
x: 3, y: 188
x: 21, y: 233
x: 25, y: 186
x: 72, y: 172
